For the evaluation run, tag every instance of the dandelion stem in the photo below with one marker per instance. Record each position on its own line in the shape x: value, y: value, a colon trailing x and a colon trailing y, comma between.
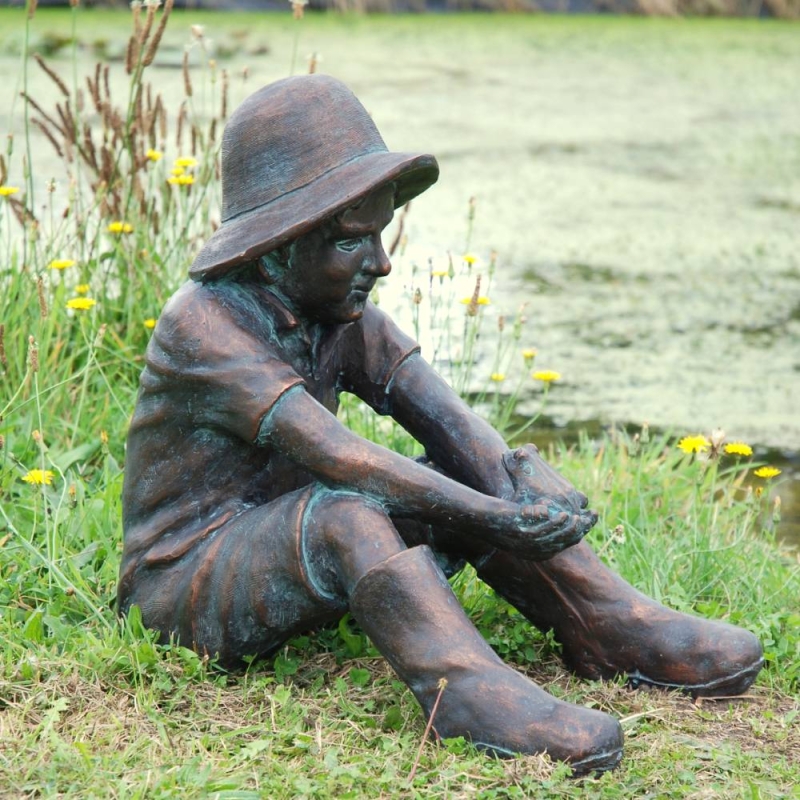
x: 49, y: 525
x: 84, y: 386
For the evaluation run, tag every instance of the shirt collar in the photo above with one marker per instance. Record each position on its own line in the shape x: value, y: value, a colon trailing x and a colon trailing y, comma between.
x: 285, y: 319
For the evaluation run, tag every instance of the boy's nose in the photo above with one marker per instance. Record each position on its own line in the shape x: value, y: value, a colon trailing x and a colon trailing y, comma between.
x: 378, y: 264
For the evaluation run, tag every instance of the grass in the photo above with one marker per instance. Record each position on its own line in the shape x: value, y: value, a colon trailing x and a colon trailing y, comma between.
x: 93, y: 707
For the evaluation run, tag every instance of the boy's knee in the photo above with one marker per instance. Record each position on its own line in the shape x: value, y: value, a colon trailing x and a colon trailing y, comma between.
x: 345, y: 534
x: 342, y: 514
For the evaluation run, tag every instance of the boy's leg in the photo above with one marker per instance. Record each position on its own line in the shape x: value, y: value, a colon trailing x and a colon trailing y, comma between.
x: 608, y: 628
x: 402, y: 600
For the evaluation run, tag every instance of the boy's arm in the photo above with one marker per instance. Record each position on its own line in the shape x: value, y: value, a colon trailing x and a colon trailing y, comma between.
x: 305, y: 431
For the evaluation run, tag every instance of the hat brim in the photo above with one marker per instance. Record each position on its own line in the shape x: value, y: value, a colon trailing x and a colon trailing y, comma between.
x: 254, y: 233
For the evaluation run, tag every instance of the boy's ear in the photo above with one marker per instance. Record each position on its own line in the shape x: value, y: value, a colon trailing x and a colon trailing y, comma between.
x: 272, y: 264
x: 283, y: 255
x: 268, y: 269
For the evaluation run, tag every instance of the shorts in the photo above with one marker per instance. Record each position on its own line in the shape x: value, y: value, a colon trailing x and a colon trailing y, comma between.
x: 245, y: 589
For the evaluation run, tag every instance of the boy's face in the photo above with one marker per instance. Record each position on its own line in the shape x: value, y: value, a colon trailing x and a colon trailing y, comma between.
x: 334, y: 267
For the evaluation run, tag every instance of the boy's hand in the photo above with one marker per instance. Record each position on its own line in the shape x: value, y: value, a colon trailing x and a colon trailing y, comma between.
x: 535, y: 481
x: 542, y: 530
x: 537, y: 485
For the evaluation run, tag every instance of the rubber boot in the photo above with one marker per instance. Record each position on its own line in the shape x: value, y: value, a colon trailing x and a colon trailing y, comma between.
x: 409, y: 611
x: 607, y: 628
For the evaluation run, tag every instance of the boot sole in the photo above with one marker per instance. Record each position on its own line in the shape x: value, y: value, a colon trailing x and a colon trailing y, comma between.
x: 597, y: 762
x: 734, y: 684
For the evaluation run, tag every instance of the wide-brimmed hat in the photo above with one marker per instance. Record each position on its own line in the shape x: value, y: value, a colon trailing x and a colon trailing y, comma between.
x: 294, y: 154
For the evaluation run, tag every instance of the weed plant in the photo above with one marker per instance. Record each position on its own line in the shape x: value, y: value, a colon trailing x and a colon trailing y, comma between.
x: 92, y: 706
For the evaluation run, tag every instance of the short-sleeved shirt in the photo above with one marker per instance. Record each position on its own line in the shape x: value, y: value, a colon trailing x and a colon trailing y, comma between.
x: 221, y: 356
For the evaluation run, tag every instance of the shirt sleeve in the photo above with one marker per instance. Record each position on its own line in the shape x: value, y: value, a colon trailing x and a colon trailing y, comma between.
x: 224, y: 376
x: 376, y: 348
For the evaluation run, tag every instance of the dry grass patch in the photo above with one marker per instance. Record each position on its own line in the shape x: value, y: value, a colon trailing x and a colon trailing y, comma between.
x: 249, y: 731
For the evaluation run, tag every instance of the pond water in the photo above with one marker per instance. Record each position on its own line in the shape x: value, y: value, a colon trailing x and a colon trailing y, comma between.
x: 639, y: 180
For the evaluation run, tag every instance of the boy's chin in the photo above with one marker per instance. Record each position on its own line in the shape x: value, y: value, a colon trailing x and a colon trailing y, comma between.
x: 354, y: 309
x: 342, y: 316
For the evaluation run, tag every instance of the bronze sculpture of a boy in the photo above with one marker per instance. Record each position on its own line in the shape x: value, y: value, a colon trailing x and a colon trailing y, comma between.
x: 251, y: 513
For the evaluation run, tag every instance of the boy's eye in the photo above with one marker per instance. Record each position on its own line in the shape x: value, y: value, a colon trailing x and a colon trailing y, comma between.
x: 348, y: 245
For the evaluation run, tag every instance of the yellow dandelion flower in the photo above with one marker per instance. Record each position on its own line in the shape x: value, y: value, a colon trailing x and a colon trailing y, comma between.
x: 529, y: 353
x: 7, y: 191
x: 470, y: 259
x: 61, y: 263
x: 738, y: 449
x: 39, y: 477
x: 185, y: 162
x: 547, y: 375
x: 181, y: 180
x: 498, y: 377
x: 176, y: 171
x: 767, y: 472
x: 149, y: 323
x: 694, y: 444
x: 440, y: 273
x: 481, y: 301
x: 81, y: 303
x: 119, y: 227
x: 154, y: 155
x: 82, y: 288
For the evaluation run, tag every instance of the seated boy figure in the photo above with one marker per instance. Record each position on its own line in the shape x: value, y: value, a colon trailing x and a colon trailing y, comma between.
x: 252, y: 514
